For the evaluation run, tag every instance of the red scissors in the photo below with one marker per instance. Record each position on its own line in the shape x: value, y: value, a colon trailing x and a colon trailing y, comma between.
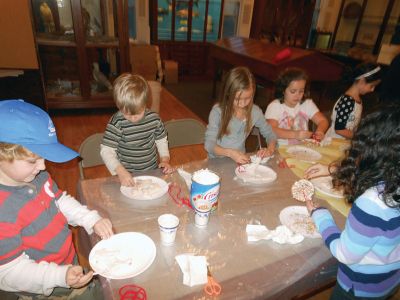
x: 212, y: 288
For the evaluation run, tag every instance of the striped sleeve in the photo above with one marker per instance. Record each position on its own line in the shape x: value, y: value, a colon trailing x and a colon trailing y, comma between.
x: 365, y: 230
x: 10, y: 234
x: 112, y: 134
x: 160, y: 131
x: 357, y: 238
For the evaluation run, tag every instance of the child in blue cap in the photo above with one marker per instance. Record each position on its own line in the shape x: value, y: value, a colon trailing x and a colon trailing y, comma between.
x: 37, y: 256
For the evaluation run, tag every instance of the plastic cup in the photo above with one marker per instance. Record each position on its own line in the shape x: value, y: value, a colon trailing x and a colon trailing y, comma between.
x: 168, y: 224
x: 201, y: 218
x: 202, y: 210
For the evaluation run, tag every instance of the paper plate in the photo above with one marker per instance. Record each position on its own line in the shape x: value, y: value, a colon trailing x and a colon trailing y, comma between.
x: 304, y: 153
x: 146, y: 188
x: 124, y: 255
x: 324, y: 186
x: 254, y: 173
x: 296, y: 218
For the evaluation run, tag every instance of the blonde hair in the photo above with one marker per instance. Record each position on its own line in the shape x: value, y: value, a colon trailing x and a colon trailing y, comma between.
x: 130, y: 93
x: 237, y: 79
x: 10, y: 152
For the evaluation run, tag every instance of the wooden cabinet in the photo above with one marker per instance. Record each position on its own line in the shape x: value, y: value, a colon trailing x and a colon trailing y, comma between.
x: 282, y: 22
x: 82, y: 47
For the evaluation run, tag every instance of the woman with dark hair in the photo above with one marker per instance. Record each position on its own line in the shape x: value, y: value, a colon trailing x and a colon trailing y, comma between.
x: 346, y: 113
x: 368, y: 249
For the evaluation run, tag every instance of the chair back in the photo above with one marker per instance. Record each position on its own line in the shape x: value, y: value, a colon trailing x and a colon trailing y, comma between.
x: 185, y: 132
x: 89, y: 152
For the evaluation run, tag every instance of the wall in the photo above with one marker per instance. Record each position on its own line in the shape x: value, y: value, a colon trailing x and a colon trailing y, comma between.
x: 17, y: 49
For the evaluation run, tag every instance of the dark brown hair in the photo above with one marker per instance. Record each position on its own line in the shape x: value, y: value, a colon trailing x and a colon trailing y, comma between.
x: 285, y: 78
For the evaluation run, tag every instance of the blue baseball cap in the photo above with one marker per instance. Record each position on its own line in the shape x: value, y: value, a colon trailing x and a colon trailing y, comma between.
x: 27, y: 125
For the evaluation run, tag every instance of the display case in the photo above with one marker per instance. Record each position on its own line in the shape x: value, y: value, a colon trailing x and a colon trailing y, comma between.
x: 363, y: 26
x: 188, y: 20
x: 82, y: 47
x: 183, y: 28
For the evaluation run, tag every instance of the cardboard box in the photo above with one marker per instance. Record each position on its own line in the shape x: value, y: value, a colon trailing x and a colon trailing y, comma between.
x: 144, y: 60
x: 170, y: 71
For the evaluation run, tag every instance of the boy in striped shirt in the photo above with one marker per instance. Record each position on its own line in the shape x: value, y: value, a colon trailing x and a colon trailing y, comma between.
x: 134, y: 134
x: 37, y: 256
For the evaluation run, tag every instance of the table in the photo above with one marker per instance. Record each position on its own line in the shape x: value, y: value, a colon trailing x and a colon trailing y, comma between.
x: 334, y: 152
x: 260, y: 270
x: 259, y: 56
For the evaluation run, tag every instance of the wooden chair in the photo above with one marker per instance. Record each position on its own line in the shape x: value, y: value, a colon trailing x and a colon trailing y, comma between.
x: 89, y: 151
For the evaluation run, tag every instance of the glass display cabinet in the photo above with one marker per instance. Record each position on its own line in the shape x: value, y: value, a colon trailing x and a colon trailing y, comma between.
x: 188, y: 20
x: 82, y: 47
x: 363, y: 26
x: 183, y: 29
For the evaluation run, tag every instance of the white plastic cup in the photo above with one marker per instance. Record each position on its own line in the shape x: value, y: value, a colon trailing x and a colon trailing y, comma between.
x: 168, y: 224
x: 202, y: 210
x: 201, y: 218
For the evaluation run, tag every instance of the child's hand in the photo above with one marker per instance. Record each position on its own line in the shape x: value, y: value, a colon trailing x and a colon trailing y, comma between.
x: 103, y: 228
x: 303, y: 134
x: 265, y: 152
x: 125, y: 177
x: 318, y: 135
x: 316, y: 170
x: 239, y: 157
x: 167, y: 169
x: 310, y: 206
x: 75, y: 277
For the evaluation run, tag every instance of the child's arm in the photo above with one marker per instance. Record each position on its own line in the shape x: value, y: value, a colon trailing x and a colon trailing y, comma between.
x: 110, y: 158
x: 346, y: 133
x: 24, y: 274
x: 163, y: 152
x: 322, y: 125
x: 210, y: 139
x: 273, y: 114
x: 344, y: 108
x: 288, y: 133
x: 354, y: 243
x: 319, y: 170
x: 266, y: 131
x: 79, y: 215
x: 236, y: 155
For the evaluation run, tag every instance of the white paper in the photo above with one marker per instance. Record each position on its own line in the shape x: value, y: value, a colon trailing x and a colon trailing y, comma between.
x: 194, y: 269
x: 281, y: 234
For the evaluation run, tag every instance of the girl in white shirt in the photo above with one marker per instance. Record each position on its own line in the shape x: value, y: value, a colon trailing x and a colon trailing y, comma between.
x: 290, y: 113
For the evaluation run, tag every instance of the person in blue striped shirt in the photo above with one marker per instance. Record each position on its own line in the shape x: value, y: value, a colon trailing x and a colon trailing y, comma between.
x: 368, y: 249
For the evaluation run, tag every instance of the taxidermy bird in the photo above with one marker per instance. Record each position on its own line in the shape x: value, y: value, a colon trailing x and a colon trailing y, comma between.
x: 47, y: 17
x: 100, y: 78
